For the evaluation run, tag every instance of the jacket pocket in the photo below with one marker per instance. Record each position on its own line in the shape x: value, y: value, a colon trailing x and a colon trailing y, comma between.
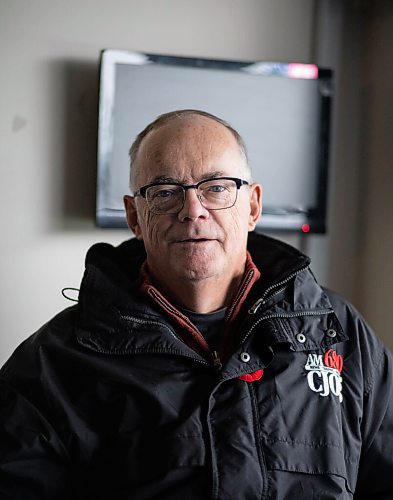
x: 309, y: 470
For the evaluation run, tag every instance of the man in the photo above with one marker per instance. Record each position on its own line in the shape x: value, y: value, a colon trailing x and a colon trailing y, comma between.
x: 192, y: 368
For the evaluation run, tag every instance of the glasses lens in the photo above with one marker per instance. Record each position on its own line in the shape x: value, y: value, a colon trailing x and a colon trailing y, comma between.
x: 164, y: 198
x: 217, y: 193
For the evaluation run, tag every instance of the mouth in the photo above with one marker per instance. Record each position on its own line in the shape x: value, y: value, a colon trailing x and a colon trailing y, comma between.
x: 194, y: 240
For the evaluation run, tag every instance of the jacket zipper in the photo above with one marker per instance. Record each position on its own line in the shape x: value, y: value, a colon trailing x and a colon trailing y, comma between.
x: 310, y: 312
x: 264, y: 297
x: 240, y: 294
x: 216, y: 360
x: 215, y: 356
x: 279, y: 285
x: 172, y: 310
x: 176, y: 313
x: 123, y: 352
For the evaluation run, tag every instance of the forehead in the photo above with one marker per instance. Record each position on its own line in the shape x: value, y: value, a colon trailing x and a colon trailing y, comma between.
x: 188, y: 149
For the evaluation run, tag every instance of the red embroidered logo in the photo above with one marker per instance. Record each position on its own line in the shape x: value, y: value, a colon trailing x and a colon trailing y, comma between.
x: 252, y: 377
x: 333, y: 360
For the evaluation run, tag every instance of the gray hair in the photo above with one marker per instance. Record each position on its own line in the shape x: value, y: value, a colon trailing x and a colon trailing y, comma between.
x: 165, y: 118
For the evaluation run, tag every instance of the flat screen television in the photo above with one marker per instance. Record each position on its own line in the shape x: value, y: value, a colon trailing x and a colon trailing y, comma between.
x: 282, y: 111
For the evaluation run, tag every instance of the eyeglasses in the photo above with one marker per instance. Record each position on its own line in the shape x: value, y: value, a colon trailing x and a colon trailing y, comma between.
x: 213, y: 194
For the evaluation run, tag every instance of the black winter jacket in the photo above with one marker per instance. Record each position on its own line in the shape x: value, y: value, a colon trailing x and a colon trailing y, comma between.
x: 106, y: 401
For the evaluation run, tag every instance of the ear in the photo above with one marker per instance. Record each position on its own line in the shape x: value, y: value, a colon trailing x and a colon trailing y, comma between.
x: 255, y: 205
x: 132, y: 216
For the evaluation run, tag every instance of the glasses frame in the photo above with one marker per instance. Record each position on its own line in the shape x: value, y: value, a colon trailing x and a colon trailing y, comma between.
x: 142, y: 191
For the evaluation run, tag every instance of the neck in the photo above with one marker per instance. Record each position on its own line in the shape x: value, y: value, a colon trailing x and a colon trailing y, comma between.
x: 200, y: 296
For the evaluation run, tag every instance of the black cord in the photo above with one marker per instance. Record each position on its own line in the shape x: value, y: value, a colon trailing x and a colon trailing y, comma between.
x: 64, y: 290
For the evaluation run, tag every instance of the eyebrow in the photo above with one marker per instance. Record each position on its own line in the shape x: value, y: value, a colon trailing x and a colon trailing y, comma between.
x: 170, y: 180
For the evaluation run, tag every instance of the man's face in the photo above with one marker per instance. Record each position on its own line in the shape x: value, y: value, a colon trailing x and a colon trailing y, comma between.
x: 194, y: 244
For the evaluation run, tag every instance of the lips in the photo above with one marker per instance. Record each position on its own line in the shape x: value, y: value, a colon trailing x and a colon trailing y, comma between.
x: 194, y: 240
x: 191, y: 238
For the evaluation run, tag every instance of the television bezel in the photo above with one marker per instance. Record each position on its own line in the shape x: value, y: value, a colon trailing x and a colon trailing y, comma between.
x: 314, y: 220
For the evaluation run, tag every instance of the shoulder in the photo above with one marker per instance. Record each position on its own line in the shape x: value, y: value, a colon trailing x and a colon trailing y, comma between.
x: 56, y: 334
x: 353, y: 321
x: 358, y: 330
x: 365, y: 350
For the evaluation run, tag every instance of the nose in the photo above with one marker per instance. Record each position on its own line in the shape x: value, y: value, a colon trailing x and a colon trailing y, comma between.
x: 192, y: 208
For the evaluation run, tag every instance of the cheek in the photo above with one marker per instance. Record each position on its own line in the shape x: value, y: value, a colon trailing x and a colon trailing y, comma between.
x: 236, y: 218
x: 153, y: 228
x: 239, y: 220
x: 233, y: 224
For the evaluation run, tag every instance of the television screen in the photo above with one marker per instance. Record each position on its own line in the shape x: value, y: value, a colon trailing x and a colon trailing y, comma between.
x: 282, y: 111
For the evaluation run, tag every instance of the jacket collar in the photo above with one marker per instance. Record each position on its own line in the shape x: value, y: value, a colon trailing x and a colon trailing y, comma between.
x: 188, y: 331
x: 113, y: 310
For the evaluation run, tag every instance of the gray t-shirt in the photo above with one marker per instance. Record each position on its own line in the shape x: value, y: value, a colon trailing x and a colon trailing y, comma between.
x: 209, y: 324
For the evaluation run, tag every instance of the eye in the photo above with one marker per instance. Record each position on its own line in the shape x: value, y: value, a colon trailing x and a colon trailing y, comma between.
x: 216, y: 188
x: 164, y: 193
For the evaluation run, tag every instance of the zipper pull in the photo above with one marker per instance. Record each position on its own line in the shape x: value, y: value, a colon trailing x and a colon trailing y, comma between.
x: 216, y: 360
x: 256, y: 306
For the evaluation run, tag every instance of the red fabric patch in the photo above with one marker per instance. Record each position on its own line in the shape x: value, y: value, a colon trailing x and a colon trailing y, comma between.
x: 251, y: 377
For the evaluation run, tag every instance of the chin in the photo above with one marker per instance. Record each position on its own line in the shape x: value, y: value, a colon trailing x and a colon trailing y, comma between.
x: 198, y: 272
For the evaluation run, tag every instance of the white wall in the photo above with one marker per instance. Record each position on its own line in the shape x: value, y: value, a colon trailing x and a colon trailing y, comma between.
x: 49, y: 52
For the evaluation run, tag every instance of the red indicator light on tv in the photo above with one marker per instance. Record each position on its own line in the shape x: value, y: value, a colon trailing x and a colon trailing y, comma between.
x: 306, y: 228
x: 306, y: 71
